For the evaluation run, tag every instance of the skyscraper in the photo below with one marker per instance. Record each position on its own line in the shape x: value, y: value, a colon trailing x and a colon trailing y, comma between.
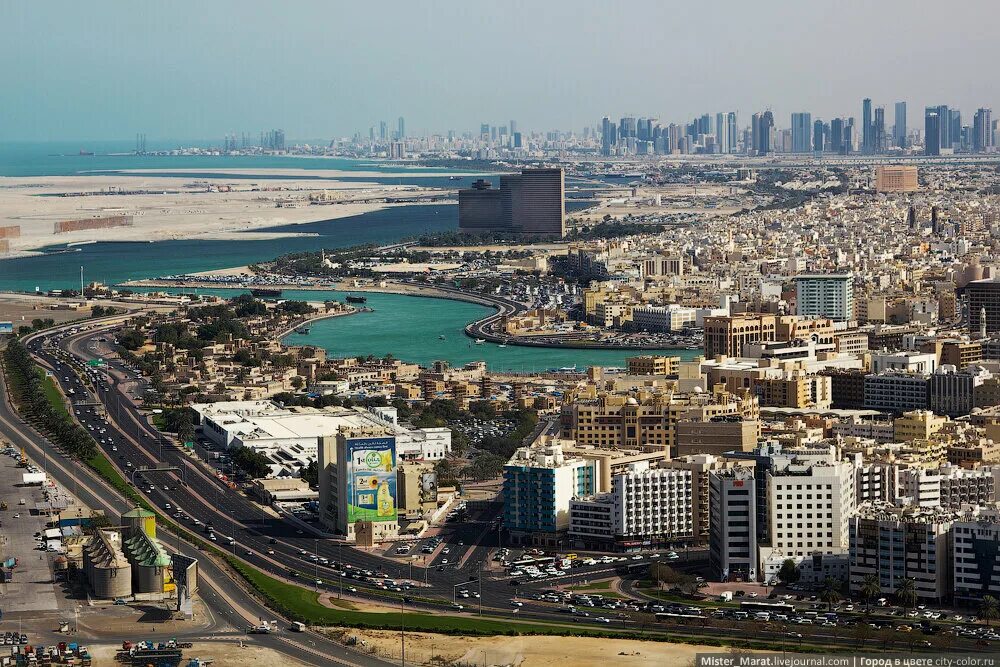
x: 932, y: 131
x: 722, y: 132
x: 531, y: 203
x: 944, y: 127
x: 819, y: 136
x: 513, y: 127
x: 801, y: 132
x: 837, y: 136
x: 383, y: 130
x: 761, y: 132
x: 866, y: 126
x: 607, y: 136
x: 878, y: 131
x: 731, y: 122
x: 982, y: 130
x: 402, y: 128
x: 899, y: 126
x: 955, y: 128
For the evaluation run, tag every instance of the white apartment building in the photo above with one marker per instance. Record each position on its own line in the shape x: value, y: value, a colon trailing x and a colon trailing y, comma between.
x: 923, y: 363
x: 825, y: 296
x: 663, y: 318
x: 809, y: 508
x: 653, y: 504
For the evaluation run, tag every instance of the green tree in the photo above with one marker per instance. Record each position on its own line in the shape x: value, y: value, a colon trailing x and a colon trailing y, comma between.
x: 871, y: 589
x: 989, y: 609
x: 830, y: 592
x: 789, y: 572
x: 131, y: 339
x: 253, y: 463
x: 311, y: 474
x: 906, y: 592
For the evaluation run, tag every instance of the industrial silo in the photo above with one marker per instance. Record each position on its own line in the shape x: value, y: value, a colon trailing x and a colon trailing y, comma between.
x: 139, y: 519
x: 108, y: 570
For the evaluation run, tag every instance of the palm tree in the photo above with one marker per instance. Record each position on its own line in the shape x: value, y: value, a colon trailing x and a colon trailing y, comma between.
x: 906, y: 592
x: 989, y: 609
x: 830, y: 592
x: 870, y: 589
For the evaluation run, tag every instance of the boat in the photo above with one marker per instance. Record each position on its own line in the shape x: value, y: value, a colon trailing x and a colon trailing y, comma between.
x: 302, y: 330
x: 86, y: 152
x: 502, y: 345
x: 454, y: 178
x: 441, y: 337
x: 480, y: 341
x: 356, y: 299
x: 271, y: 292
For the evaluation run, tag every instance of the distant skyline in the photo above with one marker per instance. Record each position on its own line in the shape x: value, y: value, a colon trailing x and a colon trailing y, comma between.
x: 106, y: 70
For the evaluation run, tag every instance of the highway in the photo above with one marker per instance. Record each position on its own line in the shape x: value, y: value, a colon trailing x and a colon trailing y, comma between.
x: 233, y: 607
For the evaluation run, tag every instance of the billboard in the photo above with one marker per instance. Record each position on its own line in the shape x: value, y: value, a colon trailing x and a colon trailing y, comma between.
x: 371, y: 479
x: 428, y: 487
x: 6, y: 328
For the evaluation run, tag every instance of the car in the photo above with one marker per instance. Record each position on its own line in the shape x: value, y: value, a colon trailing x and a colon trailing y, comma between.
x: 444, y: 561
x: 601, y: 619
x: 457, y: 607
x: 515, y: 603
x: 270, y: 552
x: 319, y: 582
x: 637, y: 557
x: 17, y: 516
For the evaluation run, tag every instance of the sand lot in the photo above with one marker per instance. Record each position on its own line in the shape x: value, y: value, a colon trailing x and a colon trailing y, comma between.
x: 531, y: 651
x: 221, y: 654
x: 175, y: 208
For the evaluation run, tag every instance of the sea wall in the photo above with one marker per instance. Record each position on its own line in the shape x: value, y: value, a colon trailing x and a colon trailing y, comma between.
x: 93, y: 223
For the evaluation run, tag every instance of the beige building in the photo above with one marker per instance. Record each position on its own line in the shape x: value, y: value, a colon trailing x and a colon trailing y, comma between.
x: 652, y: 365
x: 896, y: 178
x: 644, y: 420
x: 917, y: 425
x: 416, y: 489
x: 717, y: 437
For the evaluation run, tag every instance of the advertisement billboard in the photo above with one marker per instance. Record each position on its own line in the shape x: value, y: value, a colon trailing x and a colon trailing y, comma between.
x: 428, y: 487
x: 371, y: 479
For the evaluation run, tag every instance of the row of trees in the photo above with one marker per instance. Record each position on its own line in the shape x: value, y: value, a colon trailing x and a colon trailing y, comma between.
x: 905, y: 593
x: 28, y: 388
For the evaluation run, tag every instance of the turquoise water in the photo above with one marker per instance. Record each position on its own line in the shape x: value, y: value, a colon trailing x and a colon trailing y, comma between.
x: 410, y: 327
x: 112, y: 263
x: 63, y: 158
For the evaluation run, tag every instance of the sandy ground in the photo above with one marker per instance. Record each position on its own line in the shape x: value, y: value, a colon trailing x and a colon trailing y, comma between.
x: 221, y: 654
x: 179, y: 208
x: 22, y: 308
x: 530, y: 651
x: 558, y: 248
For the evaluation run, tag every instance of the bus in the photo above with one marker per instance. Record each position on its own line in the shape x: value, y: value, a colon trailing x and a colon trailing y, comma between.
x: 631, y: 569
x: 764, y: 605
x: 539, y: 561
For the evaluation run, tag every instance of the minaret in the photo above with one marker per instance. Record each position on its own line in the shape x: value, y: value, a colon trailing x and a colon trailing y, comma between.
x: 982, y: 323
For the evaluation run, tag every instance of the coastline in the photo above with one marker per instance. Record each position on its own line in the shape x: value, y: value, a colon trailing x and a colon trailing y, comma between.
x: 480, y: 329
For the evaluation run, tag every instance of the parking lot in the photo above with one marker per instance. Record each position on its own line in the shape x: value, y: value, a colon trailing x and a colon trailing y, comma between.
x: 31, y: 587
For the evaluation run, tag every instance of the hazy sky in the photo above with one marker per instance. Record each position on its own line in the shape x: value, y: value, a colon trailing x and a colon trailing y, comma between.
x: 318, y: 69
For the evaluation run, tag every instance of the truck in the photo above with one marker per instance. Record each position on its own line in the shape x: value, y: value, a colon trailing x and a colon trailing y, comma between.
x: 33, y: 478
x: 298, y: 626
x: 726, y: 596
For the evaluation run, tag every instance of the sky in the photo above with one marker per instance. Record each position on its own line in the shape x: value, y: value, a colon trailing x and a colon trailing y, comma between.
x: 327, y: 68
